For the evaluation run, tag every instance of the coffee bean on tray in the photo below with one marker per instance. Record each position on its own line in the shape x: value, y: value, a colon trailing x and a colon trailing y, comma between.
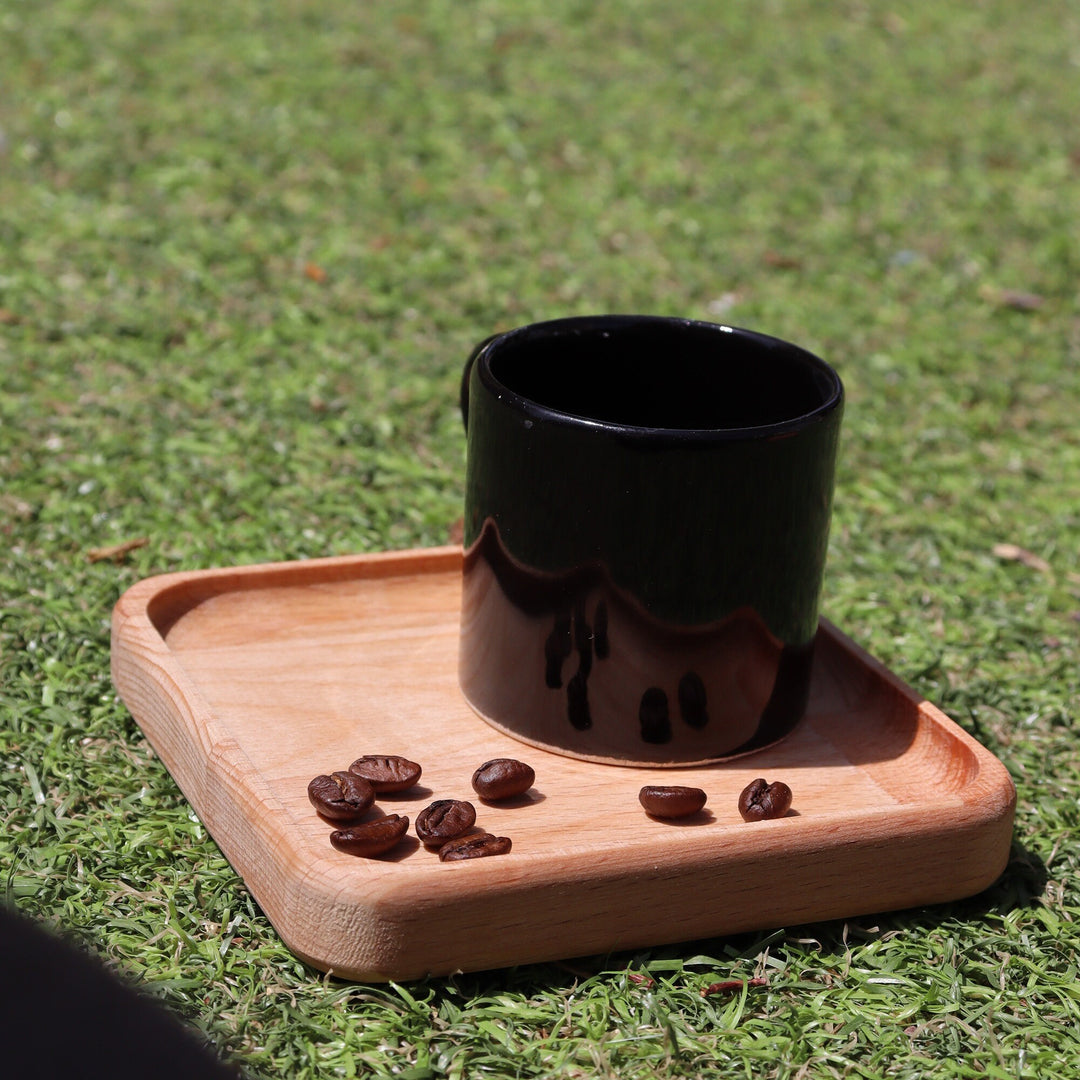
x: 341, y: 796
x: 671, y: 801
x: 761, y: 800
x: 502, y: 778
x: 387, y: 772
x: 371, y: 838
x: 443, y: 820
x: 474, y: 846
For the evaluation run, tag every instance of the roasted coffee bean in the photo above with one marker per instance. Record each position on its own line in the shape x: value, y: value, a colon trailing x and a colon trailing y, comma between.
x: 671, y: 801
x: 502, y: 778
x: 372, y: 838
x: 387, y: 772
x: 445, y: 820
x: 475, y: 846
x: 341, y: 796
x: 761, y: 800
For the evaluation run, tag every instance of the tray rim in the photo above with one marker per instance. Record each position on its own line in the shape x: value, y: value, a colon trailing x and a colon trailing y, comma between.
x: 145, y: 668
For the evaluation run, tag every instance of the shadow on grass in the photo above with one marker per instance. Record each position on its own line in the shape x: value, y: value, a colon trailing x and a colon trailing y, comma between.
x: 1022, y: 881
x: 1020, y: 885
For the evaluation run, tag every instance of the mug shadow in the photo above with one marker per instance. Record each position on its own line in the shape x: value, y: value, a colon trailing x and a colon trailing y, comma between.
x: 859, y: 714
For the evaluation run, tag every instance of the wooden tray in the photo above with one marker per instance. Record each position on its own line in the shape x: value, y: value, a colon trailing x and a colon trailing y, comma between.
x: 250, y: 681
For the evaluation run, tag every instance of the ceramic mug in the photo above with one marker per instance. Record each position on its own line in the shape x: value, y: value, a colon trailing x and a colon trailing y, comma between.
x: 646, y: 521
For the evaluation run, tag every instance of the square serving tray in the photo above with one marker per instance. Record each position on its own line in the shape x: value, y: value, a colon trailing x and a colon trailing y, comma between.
x: 249, y: 681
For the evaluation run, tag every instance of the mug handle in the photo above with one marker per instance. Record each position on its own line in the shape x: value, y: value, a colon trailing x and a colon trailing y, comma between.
x: 464, y: 394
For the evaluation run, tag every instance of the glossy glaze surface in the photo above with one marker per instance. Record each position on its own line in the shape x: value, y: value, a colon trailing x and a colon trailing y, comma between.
x: 647, y: 513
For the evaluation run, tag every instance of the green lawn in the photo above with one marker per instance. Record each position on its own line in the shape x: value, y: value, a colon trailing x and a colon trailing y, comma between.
x: 245, y: 248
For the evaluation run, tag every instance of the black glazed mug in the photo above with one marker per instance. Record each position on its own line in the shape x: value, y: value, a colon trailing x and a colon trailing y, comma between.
x: 646, y: 520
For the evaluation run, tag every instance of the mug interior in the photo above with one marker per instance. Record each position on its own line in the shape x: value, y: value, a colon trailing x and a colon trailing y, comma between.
x: 657, y: 373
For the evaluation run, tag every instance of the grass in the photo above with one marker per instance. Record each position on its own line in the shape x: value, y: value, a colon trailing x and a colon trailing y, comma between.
x: 244, y: 250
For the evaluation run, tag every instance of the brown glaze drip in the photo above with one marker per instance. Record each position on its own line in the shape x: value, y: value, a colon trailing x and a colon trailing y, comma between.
x: 613, y: 682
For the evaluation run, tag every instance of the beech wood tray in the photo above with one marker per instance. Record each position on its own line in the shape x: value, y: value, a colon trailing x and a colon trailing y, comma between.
x: 250, y: 681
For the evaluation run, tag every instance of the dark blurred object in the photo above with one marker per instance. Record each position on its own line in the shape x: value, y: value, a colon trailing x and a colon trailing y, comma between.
x: 62, y: 1014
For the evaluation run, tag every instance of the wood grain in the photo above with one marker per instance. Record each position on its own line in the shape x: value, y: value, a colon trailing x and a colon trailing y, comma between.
x: 249, y: 681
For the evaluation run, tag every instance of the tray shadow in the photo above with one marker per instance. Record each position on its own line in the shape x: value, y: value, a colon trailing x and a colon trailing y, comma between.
x: 1020, y: 885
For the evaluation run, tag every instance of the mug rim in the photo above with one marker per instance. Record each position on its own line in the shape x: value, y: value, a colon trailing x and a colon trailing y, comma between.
x: 536, y: 411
